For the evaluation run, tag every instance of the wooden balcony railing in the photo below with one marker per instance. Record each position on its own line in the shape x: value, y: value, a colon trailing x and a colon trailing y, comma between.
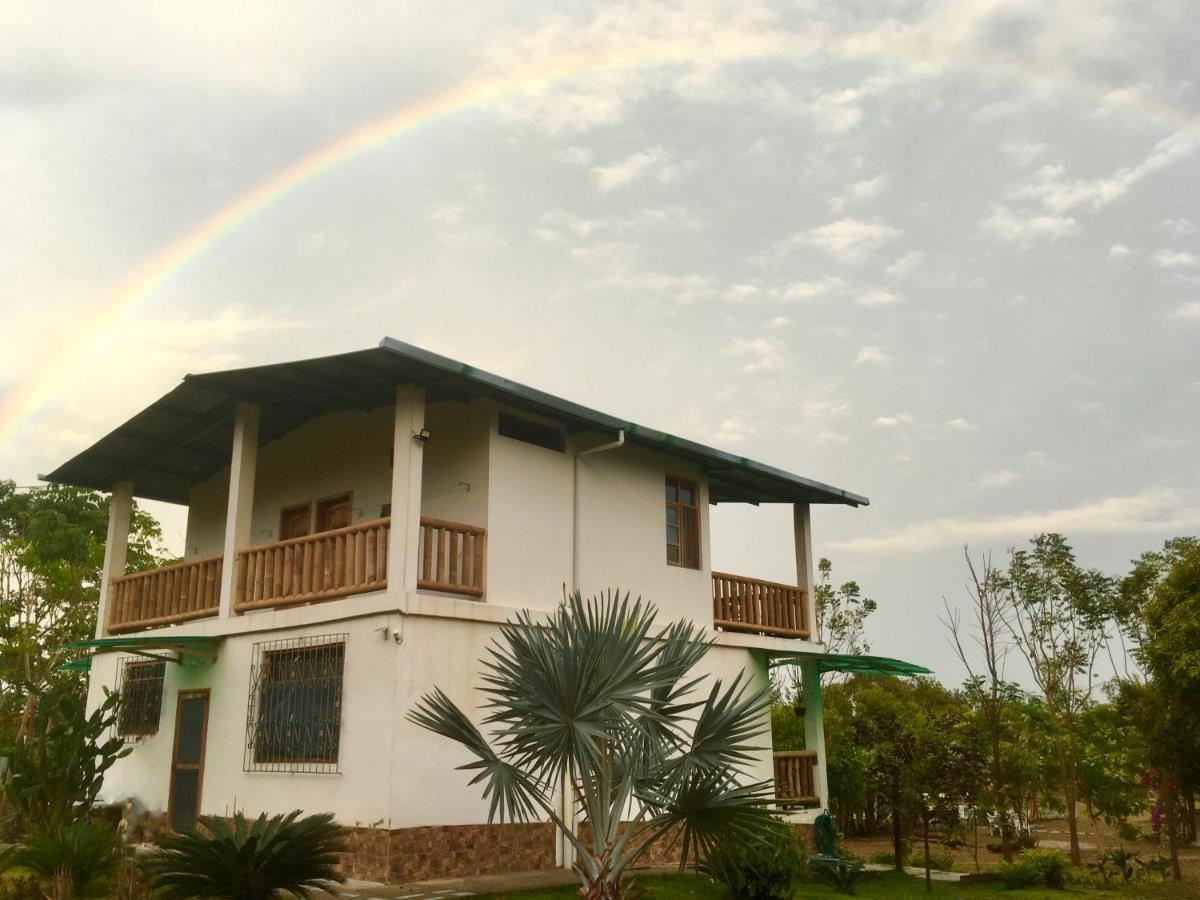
x: 452, y: 557
x: 322, y: 566
x: 795, y: 783
x: 177, y: 593
x: 757, y: 606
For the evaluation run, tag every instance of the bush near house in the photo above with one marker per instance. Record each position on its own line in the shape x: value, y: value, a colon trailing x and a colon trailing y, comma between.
x: 765, y: 868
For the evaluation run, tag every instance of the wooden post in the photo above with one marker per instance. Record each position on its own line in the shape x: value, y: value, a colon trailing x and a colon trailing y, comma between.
x: 407, y: 460
x: 120, y: 513
x: 240, y: 508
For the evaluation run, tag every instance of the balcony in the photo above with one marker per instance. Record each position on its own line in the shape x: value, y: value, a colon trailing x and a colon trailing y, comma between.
x: 795, y: 784
x: 759, y: 607
x: 328, y: 565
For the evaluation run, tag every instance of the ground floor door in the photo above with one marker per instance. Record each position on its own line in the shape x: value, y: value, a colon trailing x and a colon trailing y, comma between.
x: 187, y: 759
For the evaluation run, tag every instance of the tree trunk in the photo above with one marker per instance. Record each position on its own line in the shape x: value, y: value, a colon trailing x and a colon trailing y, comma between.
x: 1172, y: 831
x: 1066, y: 775
x: 897, y: 836
x: 1189, y: 796
x: 928, y: 877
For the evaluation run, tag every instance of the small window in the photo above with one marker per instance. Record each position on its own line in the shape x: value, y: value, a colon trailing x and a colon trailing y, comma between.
x: 141, y: 690
x: 295, y: 720
x: 536, y: 433
x: 683, y: 524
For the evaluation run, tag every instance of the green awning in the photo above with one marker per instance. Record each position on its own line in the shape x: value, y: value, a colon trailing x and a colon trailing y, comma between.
x: 83, y: 664
x: 854, y: 663
x: 189, y: 649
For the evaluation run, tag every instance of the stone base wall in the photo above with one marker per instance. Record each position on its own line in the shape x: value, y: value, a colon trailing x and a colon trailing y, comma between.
x: 447, y: 851
x: 450, y: 851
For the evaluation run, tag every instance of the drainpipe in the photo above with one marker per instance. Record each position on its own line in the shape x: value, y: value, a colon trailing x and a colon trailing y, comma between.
x: 564, y: 851
x: 613, y: 445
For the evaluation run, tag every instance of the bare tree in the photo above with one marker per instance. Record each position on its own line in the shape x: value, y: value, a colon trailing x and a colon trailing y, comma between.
x: 985, y: 684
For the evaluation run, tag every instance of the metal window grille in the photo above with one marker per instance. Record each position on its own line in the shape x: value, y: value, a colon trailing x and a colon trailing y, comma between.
x: 140, y: 684
x: 294, y: 717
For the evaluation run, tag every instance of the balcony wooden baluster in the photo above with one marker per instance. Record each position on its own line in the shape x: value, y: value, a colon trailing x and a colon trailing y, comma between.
x: 322, y: 566
x: 759, y: 607
x: 452, y: 557
x: 151, y: 599
x: 795, y: 784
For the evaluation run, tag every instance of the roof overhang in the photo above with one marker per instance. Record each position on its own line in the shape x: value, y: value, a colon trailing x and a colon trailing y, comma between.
x: 852, y: 663
x: 185, y: 437
x: 187, y: 650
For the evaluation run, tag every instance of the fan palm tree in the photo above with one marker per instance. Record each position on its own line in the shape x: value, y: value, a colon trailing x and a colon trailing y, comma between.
x: 595, y: 699
x: 280, y: 856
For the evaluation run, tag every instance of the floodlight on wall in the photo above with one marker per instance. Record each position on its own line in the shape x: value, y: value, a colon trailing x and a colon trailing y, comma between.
x: 422, y: 436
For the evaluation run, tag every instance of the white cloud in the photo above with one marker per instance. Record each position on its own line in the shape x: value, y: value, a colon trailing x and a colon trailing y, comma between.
x: 874, y: 355
x: 730, y: 431
x: 848, y: 240
x: 1118, y: 251
x: 807, y: 290
x: 779, y: 322
x: 1024, y: 230
x: 1059, y: 194
x: 960, y: 425
x: 650, y: 161
x: 830, y: 436
x: 1181, y: 227
x: 905, y: 265
x: 559, y: 225
x: 739, y: 292
x: 999, y: 478
x: 892, y: 421
x: 682, y: 289
x: 1176, y: 259
x: 878, y: 297
x: 1153, y: 510
x: 762, y: 354
x: 1189, y: 311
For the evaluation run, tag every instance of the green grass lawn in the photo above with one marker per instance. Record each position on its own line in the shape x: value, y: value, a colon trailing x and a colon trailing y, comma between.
x: 671, y: 887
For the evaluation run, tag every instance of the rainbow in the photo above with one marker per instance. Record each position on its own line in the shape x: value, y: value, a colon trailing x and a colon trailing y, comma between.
x: 24, y: 401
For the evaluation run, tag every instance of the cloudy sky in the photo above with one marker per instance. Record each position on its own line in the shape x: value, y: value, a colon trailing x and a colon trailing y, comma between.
x: 943, y: 254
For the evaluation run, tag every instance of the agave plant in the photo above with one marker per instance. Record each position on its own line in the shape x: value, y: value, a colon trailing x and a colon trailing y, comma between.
x: 247, y: 860
x: 597, y: 702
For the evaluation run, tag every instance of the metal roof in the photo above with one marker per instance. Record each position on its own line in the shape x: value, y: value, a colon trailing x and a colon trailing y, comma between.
x: 191, y: 649
x: 855, y: 663
x: 185, y: 437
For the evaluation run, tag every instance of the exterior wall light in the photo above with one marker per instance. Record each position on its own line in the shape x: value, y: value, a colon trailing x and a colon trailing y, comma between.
x: 422, y: 436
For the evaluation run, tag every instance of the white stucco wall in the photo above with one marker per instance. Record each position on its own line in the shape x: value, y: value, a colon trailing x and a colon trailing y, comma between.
x: 454, y: 480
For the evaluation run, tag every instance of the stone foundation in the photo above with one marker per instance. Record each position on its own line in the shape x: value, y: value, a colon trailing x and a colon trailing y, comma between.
x: 451, y: 851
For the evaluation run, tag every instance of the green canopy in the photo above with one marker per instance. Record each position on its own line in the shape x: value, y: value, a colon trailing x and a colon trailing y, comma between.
x: 83, y: 664
x: 189, y: 649
x: 854, y: 663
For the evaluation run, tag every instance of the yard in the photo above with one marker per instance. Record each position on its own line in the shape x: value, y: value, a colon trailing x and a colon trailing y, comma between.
x: 888, y: 885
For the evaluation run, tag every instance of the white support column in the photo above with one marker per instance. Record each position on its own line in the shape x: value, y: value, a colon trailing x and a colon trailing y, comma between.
x: 814, y: 727
x: 802, y: 528
x: 408, y: 453
x: 240, y: 509
x: 120, y: 513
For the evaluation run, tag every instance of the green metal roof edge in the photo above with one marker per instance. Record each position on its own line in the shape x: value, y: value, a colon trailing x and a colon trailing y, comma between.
x: 142, y: 640
x: 83, y: 664
x: 646, y: 435
x: 859, y: 664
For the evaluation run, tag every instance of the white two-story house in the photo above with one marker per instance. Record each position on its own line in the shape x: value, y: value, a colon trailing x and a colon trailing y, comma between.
x: 358, y: 525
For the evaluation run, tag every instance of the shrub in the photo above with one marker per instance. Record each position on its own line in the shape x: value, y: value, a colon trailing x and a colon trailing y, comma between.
x: 74, y: 860
x: 246, y: 861
x: 1127, y: 831
x: 941, y: 861
x: 882, y: 859
x: 1035, y: 868
x: 764, y: 869
x: 842, y: 875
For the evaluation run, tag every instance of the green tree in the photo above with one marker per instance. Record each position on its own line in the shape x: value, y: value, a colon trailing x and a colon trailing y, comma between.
x: 51, y: 551
x: 1057, y: 613
x: 595, y: 698
x: 841, y: 613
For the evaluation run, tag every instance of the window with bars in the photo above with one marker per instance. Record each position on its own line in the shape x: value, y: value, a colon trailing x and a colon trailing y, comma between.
x: 140, y: 685
x: 294, y: 721
x: 683, y: 524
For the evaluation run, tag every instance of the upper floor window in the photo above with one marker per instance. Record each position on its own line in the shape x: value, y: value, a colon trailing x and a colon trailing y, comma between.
x: 683, y: 523
x: 295, y: 721
x: 141, y: 691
